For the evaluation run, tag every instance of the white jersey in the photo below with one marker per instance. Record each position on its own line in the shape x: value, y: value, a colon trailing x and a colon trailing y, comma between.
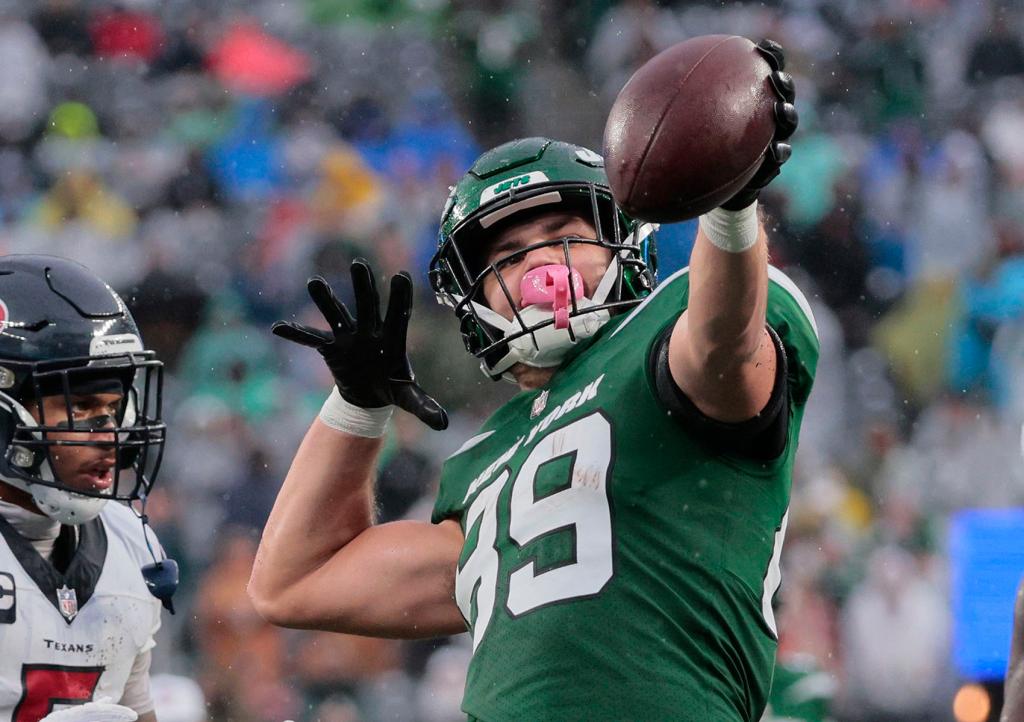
x: 66, y: 639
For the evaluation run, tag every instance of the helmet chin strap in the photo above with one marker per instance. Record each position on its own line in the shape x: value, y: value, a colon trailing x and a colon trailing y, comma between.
x: 60, y: 505
x: 546, y: 347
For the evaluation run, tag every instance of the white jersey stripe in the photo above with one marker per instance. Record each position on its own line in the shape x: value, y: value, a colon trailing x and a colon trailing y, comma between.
x: 786, y: 283
x: 470, y: 443
x: 647, y: 300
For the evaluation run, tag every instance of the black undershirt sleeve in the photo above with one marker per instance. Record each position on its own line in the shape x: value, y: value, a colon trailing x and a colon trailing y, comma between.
x: 762, y: 437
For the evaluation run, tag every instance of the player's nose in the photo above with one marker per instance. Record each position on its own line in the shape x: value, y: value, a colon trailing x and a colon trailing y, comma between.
x: 547, y: 255
x: 102, y: 429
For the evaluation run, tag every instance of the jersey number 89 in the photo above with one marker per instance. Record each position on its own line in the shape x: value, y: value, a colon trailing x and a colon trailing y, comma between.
x: 579, y: 505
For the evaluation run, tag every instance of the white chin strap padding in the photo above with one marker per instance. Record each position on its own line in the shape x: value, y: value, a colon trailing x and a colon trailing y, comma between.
x: 65, y: 506
x: 58, y: 504
x: 547, y: 346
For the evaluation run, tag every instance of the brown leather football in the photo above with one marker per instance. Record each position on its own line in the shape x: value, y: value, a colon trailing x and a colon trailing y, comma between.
x: 690, y: 128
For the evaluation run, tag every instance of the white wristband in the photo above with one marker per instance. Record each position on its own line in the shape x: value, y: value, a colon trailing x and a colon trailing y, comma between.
x: 341, y: 415
x: 732, y: 231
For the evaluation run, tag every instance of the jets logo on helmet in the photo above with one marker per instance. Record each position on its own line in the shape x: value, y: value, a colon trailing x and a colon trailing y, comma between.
x: 504, y: 186
x: 526, y: 175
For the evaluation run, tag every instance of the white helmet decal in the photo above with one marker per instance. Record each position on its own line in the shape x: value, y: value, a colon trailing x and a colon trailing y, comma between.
x: 506, y: 184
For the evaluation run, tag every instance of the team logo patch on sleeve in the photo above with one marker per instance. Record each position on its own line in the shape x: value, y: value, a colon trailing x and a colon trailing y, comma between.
x: 7, y: 599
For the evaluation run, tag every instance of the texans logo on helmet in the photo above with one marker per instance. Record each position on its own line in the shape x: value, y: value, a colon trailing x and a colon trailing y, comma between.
x: 4, y: 315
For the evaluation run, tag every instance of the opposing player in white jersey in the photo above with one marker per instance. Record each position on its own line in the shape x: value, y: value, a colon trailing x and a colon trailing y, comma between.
x: 79, y: 428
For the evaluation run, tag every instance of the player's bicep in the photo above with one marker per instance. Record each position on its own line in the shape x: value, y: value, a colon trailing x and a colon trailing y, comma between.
x: 761, y: 436
x: 722, y: 387
x: 392, y: 580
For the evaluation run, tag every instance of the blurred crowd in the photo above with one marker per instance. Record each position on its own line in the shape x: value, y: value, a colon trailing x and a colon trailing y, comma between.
x: 206, y: 158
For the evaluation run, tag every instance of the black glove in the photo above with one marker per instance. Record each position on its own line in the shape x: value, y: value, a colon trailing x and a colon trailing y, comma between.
x: 786, y: 120
x: 367, y: 358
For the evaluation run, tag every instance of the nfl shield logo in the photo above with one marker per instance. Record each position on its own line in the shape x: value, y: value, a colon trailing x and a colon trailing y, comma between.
x: 67, y: 600
x: 538, y: 404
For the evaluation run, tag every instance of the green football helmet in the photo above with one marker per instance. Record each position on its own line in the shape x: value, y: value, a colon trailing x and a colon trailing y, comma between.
x: 531, y: 175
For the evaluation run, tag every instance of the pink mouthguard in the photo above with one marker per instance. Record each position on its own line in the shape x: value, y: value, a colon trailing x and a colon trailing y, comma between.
x: 549, y: 285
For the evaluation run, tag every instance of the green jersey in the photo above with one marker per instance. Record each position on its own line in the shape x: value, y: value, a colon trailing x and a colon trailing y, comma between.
x: 801, y: 692
x: 614, y: 568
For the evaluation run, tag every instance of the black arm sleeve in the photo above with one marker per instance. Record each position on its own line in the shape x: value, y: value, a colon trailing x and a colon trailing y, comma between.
x: 762, y: 438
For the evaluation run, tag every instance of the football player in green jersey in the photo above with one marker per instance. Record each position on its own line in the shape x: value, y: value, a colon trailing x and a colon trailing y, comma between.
x: 611, y: 537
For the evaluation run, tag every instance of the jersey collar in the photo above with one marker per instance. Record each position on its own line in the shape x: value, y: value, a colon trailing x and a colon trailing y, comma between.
x: 82, y: 574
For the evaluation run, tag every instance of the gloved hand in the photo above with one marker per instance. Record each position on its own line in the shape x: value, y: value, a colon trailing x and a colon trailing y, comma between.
x: 786, y: 120
x: 367, y: 357
x: 102, y: 710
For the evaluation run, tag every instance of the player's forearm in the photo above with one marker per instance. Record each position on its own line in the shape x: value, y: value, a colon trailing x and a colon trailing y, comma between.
x: 727, y: 304
x: 325, y: 502
x: 393, y: 580
x: 720, y: 354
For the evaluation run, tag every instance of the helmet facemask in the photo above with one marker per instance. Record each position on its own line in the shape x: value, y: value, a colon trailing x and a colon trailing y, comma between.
x: 459, y: 270
x: 134, y: 433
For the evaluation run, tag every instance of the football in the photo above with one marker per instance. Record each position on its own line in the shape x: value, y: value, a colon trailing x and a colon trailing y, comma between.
x: 689, y: 129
